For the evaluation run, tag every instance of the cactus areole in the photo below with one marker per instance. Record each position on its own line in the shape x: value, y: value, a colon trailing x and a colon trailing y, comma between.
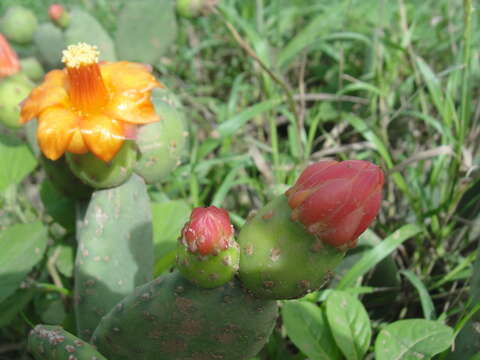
x: 207, y: 253
x: 292, y: 244
x: 90, y: 106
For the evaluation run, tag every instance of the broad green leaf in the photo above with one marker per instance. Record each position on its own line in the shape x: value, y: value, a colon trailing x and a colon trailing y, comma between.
x: 350, y: 324
x: 168, y: 219
x: 307, y: 327
x: 60, y: 207
x: 412, y: 339
x: 377, y: 254
x: 17, y: 161
x: 65, y: 260
x: 22, y: 246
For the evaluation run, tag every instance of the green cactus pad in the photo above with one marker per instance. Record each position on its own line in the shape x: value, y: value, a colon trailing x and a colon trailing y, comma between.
x: 208, y: 271
x: 115, y: 251
x: 278, y: 258
x: 85, y: 28
x: 13, y: 90
x: 145, y: 30
x: 48, y: 342
x: 172, y: 319
x: 32, y: 68
x: 49, y: 42
x: 162, y: 143
x: 99, y: 174
x: 19, y: 24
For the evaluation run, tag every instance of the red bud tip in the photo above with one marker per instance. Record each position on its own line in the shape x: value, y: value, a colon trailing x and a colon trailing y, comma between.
x: 9, y: 63
x: 337, y: 201
x: 208, y: 232
x: 55, y: 12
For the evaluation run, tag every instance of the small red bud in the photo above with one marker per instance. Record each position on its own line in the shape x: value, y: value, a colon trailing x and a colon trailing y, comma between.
x: 9, y: 63
x: 59, y: 15
x: 337, y: 201
x: 208, y: 232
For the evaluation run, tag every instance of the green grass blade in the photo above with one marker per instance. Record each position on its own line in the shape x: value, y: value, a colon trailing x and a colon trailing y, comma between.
x: 425, y: 299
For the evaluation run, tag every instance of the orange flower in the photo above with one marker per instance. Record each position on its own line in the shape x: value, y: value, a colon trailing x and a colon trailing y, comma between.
x: 90, y: 106
x: 9, y: 64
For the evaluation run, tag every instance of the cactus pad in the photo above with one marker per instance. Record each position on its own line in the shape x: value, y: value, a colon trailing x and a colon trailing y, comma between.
x: 47, y: 342
x: 115, y: 251
x: 279, y: 259
x: 176, y: 320
x: 49, y: 42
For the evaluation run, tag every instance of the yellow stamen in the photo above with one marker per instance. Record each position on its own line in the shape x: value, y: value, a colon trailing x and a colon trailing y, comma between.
x: 87, y: 90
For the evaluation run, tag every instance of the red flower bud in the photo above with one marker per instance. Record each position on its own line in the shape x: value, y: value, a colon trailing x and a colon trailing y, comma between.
x: 9, y: 63
x: 59, y: 15
x: 337, y: 201
x: 208, y: 232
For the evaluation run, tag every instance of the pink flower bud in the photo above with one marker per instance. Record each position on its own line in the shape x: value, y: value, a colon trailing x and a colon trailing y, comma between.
x: 59, y: 15
x: 208, y: 232
x: 9, y: 63
x: 337, y: 201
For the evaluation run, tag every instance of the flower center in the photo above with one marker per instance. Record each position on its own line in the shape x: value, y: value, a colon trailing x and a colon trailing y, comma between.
x: 87, y: 90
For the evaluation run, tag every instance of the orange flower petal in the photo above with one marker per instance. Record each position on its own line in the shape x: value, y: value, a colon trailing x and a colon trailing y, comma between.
x: 51, y: 92
x: 77, y: 144
x: 103, y: 135
x: 55, y: 131
x: 132, y: 107
x: 126, y: 76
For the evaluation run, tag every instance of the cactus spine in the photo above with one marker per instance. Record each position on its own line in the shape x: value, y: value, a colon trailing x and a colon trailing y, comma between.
x: 115, y: 251
x: 54, y: 343
x: 178, y: 321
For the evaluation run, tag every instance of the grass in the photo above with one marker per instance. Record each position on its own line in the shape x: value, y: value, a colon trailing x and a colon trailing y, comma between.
x: 270, y: 86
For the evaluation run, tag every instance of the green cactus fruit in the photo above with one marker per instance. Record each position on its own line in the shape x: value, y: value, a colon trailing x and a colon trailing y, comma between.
x: 63, y: 178
x: 194, y: 8
x: 85, y: 28
x: 115, y: 251
x: 13, y: 90
x: 172, y: 319
x: 59, y: 15
x: 161, y: 143
x: 207, y: 253
x: 279, y: 259
x: 99, y: 174
x: 32, y: 68
x: 50, y: 342
x: 145, y: 30
x: 19, y: 24
x: 50, y: 43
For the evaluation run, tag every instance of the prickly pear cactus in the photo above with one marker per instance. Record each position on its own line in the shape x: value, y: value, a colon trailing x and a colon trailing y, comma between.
x: 19, y: 24
x: 115, y: 251
x: 176, y: 320
x: 32, y: 68
x: 85, y: 28
x: 13, y: 90
x: 99, y: 174
x: 279, y: 259
x: 49, y: 42
x: 145, y: 30
x: 54, y: 343
x: 162, y: 143
x: 207, y: 253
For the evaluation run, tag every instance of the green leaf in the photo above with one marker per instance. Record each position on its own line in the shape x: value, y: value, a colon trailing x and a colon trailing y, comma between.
x: 60, y: 207
x: 412, y: 339
x: 350, y: 324
x: 377, y: 254
x: 425, y: 299
x: 168, y: 219
x: 22, y: 247
x: 16, y: 159
x: 13, y: 305
x: 308, y: 329
x: 65, y: 260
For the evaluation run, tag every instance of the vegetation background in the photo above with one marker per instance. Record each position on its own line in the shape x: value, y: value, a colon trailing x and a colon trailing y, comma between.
x: 271, y: 85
